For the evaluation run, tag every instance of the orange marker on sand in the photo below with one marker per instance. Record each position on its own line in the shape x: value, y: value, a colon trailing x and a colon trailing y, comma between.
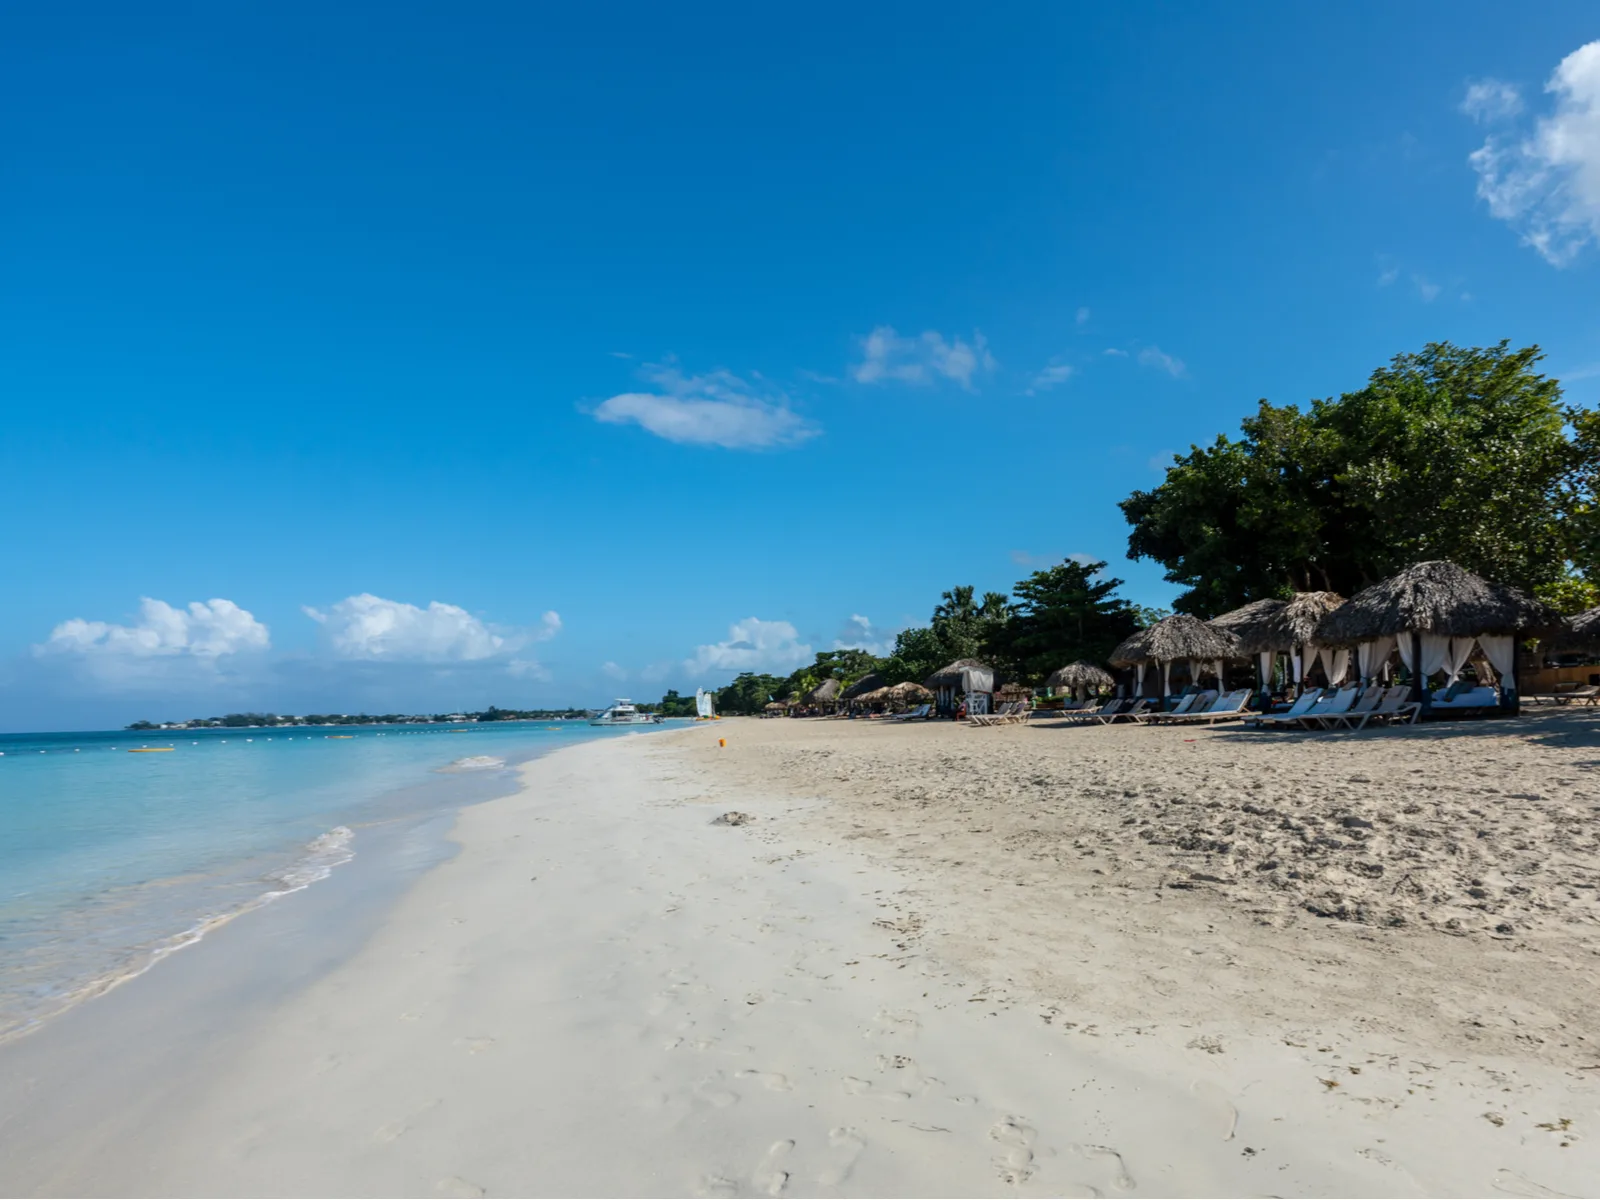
x: 723, y: 742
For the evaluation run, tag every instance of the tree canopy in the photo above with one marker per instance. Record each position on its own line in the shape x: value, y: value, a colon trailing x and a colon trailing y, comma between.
x: 1062, y: 614
x: 1466, y: 454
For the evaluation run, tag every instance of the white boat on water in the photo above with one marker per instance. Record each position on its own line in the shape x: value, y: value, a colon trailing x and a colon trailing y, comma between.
x: 624, y: 713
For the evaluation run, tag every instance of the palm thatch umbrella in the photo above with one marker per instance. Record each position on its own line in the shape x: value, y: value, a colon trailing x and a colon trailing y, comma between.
x: 1267, y: 628
x: 1437, y: 611
x: 966, y: 676
x: 1179, y: 637
x: 867, y: 683
x: 909, y: 691
x: 1080, y: 677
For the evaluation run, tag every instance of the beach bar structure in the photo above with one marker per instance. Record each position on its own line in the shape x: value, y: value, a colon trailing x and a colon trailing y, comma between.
x: 1268, y: 628
x: 1435, y: 614
x: 1080, y: 678
x: 825, y: 696
x: 967, y: 678
x: 1178, y: 638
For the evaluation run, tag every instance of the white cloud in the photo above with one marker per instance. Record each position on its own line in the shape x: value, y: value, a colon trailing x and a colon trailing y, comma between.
x: 1113, y: 352
x: 370, y: 628
x: 1428, y: 290
x: 1490, y: 100
x: 716, y: 409
x: 886, y: 357
x: 1545, y: 183
x: 752, y: 645
x: 1083, y: 316
x: 859, y: 633
x: 612, y: 671
x: 206, y: 630
x: 1153, y: 356
x: 1039, y: 562
x: 1387, y: 276
x: 527, y: 668
x: 1048, y: 378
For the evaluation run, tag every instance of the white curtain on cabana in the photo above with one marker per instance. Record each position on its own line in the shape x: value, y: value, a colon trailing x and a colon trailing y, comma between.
x: 1166, y: 678
x: 1217, y: 665
x: 1296, y: 662
x: 1140, y: 689
x: 1371, y: 656
x: 1308, y: 659
x: 1435, y: 651
x: 1457, y: 655
x: 1405, y: 651
x: 1269, y: 659
x: 1335, y: 663
x: 1501, y: 651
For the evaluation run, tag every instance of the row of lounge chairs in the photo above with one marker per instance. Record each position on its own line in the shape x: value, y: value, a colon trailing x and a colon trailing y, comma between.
x: 1015, y: 713
x: 1343, y: 708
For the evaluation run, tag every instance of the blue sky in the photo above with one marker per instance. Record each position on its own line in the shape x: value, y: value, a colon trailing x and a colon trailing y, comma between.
x: 400, y: 356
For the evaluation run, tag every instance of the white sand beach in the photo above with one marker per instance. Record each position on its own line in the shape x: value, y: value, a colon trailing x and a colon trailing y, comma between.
x: 934, y: 961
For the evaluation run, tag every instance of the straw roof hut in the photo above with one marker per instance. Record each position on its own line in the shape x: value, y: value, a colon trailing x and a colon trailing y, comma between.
x: 1438, y: 598
x: 1581, y: 632
x: 867, y: 683
x: 963, y: 675
x: 909, y: 691
x: 1259, y: 625
x: 1080, y: 675
x: 1179, y: 636
x: 826, y: 692
x: 1278, y: 625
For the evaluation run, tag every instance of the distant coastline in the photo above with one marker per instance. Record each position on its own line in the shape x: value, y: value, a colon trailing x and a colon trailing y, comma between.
x: 254, y: 720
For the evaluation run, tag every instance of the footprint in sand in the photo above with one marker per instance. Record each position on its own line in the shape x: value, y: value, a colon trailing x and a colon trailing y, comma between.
x: 1120, y: 1179
x: 865, y: 1087
x: 770, y: 1080
x: 844, y: 1148
x: 1513, y: 1184
x: 1016, y: 1135
x: 1219, y: 1102
x: 454, y: 1185
x: 770, y: 1177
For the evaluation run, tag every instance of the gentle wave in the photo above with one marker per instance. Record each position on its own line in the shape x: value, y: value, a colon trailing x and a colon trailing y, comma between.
x: 322, y: 855
x: 476, y: 762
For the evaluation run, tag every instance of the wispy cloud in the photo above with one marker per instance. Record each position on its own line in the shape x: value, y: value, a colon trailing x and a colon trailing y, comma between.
x: 612, y: 671
x: 1544, y: 181
x: 1427, y: 289
x: 1039, y: 562
x: 1083, y: 316
x: 1491, y: 100
x: 715, y: 409
x: 752, y: 645
x: 1388, y: 275
x: 1156, y: 358
x: 886, y: 357
x: 1113, y: 352
x: 1051, y: 376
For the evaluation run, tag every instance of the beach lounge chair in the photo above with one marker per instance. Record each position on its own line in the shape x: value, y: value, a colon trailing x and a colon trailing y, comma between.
x: 1094, y: 714
x: 1133, y: 712
x: 1005, y: 715
x: 1468, y: 701
x: 919, y: 713
x: 1298, y: 709
x: 1393, y: 709
x: 1333, y: 703
x: 1193, y: 702
x: 1226, y: 708
x: 1329, y: 719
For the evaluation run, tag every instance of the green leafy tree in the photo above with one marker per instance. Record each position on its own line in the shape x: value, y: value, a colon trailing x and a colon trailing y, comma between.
x: 1457, y: 453
x: 1064, y: 613
x: 749, y: 693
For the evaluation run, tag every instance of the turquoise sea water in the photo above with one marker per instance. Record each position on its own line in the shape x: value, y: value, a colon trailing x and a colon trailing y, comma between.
x: 110, y: 860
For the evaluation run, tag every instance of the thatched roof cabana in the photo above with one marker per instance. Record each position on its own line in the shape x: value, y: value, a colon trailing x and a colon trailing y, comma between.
x: 1581, y: 632
x: 963, y: 675
x: 1080, y: 675
x: 867, y: 683
x: 1178, y: 637
x: 1259, y: 625
x: 1438, y: 598
x: 826, y: 692
x: 1278, y: 625
x: 1437, y: 614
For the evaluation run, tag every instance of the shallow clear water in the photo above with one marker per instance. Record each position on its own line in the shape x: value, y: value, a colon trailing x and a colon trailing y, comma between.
x: 110, y: 860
